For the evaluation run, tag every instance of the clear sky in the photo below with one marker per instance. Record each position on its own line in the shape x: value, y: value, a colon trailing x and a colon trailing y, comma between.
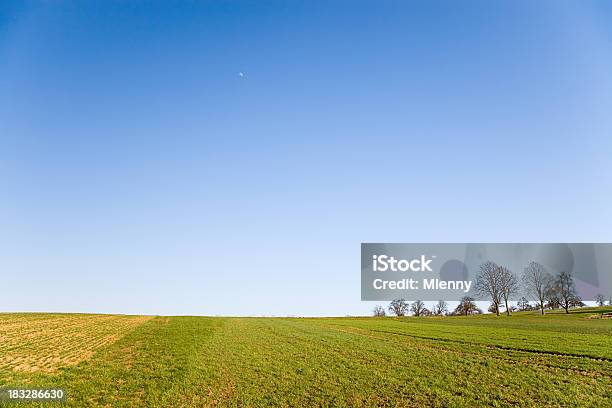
x: 228, y: 157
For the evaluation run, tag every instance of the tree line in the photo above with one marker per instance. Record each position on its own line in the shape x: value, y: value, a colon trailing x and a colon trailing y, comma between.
x: 400, y: 307
x: 499, y: 285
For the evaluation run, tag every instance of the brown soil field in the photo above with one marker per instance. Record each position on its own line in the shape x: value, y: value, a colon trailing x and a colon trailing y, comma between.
x: 45, y: 342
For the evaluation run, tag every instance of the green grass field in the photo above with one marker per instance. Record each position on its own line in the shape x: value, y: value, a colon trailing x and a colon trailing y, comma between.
x: 522, y: 360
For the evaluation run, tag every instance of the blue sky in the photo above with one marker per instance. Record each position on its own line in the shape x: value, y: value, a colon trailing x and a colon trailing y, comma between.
x: 140, y: 173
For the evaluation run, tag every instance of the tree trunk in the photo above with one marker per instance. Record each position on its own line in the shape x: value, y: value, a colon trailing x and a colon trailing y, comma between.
x: 507, y: 309
x: 497, y: 309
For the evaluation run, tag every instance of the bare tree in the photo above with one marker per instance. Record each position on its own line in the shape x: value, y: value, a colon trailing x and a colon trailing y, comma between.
x: 488, y: 283
x: 466, y: 307
x: 566, y: 290
x: 576, y: 301
x: 398, y: 307
x: 379, y: 311
x: 509, y: 285
x: 417, y: 308
x: 600, y: 300
x: 523, y: 304
x: 537, y: 282
x: 440, y: 308
x: 610, y: 301
x: 552, y: 297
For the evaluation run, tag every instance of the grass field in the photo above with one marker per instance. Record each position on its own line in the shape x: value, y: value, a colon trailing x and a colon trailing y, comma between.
x: 522, y: 360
